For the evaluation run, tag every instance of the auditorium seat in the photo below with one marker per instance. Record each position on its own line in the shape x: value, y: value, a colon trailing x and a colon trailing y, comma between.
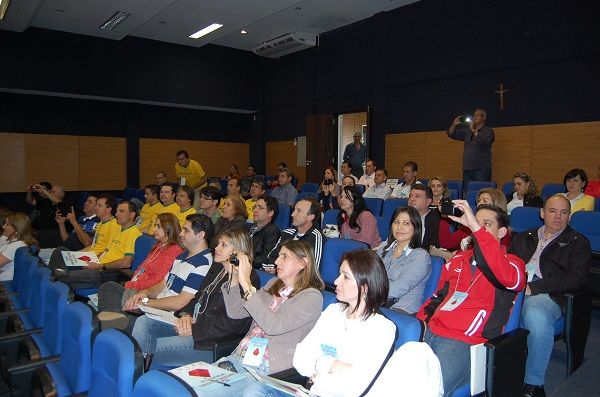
x: 478, y: 185
x: 361, y: 189
x: 437, y: 263
x: 309, y: 187
x: 283, y: 217
x: 524, y: 218
x: 374, y: 205
x: 390, y: 205
x: 330, y: 217
x: 383, y: 225
x: 507, y: 188
x: 552, y: 188
x: 332, y: 254
x: 588, y: 224
x: 156, y: 383
x: 456, y: 185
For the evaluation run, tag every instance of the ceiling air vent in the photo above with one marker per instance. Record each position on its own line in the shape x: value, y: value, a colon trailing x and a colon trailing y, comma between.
x: 286, y: 44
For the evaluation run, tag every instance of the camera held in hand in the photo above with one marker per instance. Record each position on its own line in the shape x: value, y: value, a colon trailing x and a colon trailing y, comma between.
x: 233, y: 259
x: 465, y: 119
x: 448, y: 208
x: 327, y: 182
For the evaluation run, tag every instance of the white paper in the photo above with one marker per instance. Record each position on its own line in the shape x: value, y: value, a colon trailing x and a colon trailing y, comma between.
x: 78, y: 258
x: 478, y: 368
x: 217, y: 377
x: 93, y: 301
x: 292, y: 389
x: 45, y: 254
x: 159, y: 315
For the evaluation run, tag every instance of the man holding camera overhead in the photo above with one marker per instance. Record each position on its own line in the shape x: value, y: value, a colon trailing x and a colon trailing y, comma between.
x: 478, y: 139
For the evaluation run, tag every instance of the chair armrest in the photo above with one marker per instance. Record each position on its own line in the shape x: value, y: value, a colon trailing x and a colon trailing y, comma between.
x: 32, y: 365
x: 19, y: 335
x: 290, y: 375
x: 14, y: 312
x: 506, y: 355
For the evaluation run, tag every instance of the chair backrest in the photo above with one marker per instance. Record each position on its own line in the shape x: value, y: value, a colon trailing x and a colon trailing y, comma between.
x: 264, y: 277
x: 330, y: 217
x: 472, y: 198
x: 283, y: 217
x: 588, y: 224
x: 22, y: 263
x: 456, y: 185
x: 328, y: 299
x: 116, y: 359
x: 361, y: 189
x: 309, y: 187
x: 223, y: 183
x: 523, y: 218
x: 27, y: 286
x: 478, y: 185
x: 332, y: 253
x: 597, y: 205
x: 128, y: 193
x: 383, y: 225
x: 143, y: 245
x: 57, y: 299
x: 302, y: 195
x: 507, y: 188
x: 294, y: 181
x: 437, y: 263
x: 390, y: 205
x: 374, y: 205
x: 162, y: 384
x: 453, y: 194
x: 552, y: 188
x: 408, y: 327
x: 37, y: 305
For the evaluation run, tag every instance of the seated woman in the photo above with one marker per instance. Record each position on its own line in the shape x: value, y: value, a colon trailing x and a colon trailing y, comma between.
x: 233, y: 217
x: 334, y: 354
x: 525, y: 193
x: 575, y: 182
x: 439, y: 187
x: 17, y: 231
x: 185, y: 199
x: 112, y: 296
x: 205, y: 319
x: 408, y: 266
x: 348, y: 181
x: 329, y: 190
x: 234, y: 172
x: 355, y: 221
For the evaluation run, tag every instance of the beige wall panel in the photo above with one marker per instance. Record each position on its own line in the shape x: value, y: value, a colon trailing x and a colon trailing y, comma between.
x: 400, y: 148
x: 53, y: 158
x: 102, y: 163
x: 557, y: 148
x: 215, y: 157
x: 12, y: 163
x: 511, y: 153
x: 284, y: 151
x: 444, y: 156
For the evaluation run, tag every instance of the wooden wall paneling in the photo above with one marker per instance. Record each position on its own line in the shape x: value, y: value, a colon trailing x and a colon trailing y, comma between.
x: 557, y: 148
x: 443, y: 156
x: 215, y: 157
x: 285, y: 151
x: 102, y: 163
x: 400, y: 148
x: 511, y: 153
x: 12, y: 163
x: 52, y: 158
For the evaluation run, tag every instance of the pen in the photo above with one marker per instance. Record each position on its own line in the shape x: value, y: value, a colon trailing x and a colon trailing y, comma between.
x: 221, y: 382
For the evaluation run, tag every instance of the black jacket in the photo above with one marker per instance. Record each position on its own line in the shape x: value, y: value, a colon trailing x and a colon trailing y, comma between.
x: 432, y: 230
x: 263, y: 241
x: 564, y: 263
x: 224, y: 225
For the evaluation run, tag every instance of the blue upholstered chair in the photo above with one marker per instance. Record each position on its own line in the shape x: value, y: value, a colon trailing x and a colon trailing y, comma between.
x: 383, y: 225
x: 283, y: 217
x: 309, y: 187
x: 332, y: 254
x: 524, y: 218
x: 374, y: 205
x: 390, y: 205
x: 552, y: 188
x: 162, y: 384
x: 478, y: 185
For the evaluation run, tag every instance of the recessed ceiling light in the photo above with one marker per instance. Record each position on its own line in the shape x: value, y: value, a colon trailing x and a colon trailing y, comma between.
x: 114, y: 20
x: 3, y: 7
x: 206, y: 30
x: 243, y: 32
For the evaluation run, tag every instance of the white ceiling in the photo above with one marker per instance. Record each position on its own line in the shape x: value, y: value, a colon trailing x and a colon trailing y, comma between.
x: 173, y: 21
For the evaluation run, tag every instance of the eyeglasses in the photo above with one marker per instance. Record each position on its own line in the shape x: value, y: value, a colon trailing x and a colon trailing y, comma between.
x: 260, y: 207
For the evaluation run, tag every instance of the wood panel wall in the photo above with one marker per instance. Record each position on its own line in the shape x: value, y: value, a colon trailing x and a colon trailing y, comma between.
x: 214, y: 157
x: 546, y: 152
x: 74, y: 162
x: 284, y: 151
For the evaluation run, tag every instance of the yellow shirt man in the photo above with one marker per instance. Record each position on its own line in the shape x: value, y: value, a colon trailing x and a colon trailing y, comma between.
x: 148, y: 214
x: 105, y: 234
x: 193, y: 174
x: 172, y: 208
x: 123, y: 245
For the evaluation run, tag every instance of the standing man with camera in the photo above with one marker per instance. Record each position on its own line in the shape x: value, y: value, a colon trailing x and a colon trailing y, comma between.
x: 478, y: 139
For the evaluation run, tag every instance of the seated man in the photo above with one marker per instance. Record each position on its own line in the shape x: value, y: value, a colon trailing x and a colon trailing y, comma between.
x: 346, y: 170
x: 285, y: 193
x: 380, y: 189
x: 160, y: 178
x: 257, y: 189
x: 409, y: 178
x: 84, y: 227
x: 152, y: 207
x: 420, y: 198
x: 474, y: 296
x: 167, y: 198
x: 210, y: 196
x: 118, y: 255
x: 558, y: 261
x: 306, y: 215
x: 247, y: 181
x: 264, y: 233
x: 368, y: 178
x: 233, y: 189
x: 179, y: 285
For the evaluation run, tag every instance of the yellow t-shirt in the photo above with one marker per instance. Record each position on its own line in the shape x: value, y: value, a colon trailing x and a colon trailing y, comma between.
x: 172, y: 208
x: 192, y: 174
x: 250, y: 208
x: 585, y: 203
x: 147, y: 215
x: 105, y: 234
x: 122, y: 245
x: 183, y: 214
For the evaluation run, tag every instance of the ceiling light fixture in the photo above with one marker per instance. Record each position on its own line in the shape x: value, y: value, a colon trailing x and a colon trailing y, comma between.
x: 206, y: 30
x: 3, y: 7
x: 114, y: 20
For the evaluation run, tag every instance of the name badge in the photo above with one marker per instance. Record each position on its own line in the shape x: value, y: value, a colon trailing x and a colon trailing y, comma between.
x: 182, y: 181
x: 170, y: 281
x: 327, y: 350
x: 255, y: 352
x: 530, y: 267
x: 455, y: 300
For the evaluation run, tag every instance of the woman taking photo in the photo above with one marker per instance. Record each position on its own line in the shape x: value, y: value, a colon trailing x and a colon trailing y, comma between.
x: 17, y: 230
x: 233, y: 217
x: 525, y: 193
x: 329, y: 190
x: 334, y: 354
x: 575, y: 182
x: 112, y: 296
x: 439, y: 187
x: 204, y: 319
x: 408, y: 266
x: 355, y: 221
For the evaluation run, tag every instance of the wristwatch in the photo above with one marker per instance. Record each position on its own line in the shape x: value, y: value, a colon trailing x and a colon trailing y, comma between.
x: 249, y: 293
x: 145, y: 301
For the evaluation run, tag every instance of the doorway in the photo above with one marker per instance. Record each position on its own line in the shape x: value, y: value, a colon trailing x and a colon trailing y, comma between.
x: 348, y: 124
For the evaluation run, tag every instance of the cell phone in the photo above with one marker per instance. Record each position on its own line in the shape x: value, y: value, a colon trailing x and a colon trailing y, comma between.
x: 448, y: 208
x: 233, y: 259
x: 465, y: 119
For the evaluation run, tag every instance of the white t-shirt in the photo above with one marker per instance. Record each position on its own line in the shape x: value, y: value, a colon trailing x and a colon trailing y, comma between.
x: 8, y: 251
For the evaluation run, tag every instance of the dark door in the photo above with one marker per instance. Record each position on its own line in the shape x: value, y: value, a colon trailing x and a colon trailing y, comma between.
x: 321, y: 132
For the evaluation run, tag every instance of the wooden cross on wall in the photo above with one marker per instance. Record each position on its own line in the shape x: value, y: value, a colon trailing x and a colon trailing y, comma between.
x: 501, y: 92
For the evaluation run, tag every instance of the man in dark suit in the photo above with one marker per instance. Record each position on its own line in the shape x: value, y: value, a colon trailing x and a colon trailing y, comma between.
x: 420, y: 198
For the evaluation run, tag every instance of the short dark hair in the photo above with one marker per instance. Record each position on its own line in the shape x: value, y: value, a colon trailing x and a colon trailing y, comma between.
x: 501, y: 215
x: 372, y: 161
x: 287, y: 172
x: 211, y: 192
x: 415, y: 219
x: 188, y: 191
x: 253, y: 167
x: 237, y: 181
x: 424, y: 188
x: 202, y: 223
x: 155, y: 189
x: 347, y: 163
x: 180, y: 152
x: 111, y: 202
x: 314, y: 209
x: 382, y: 170
x: 284, y: 165
x: 272, y: 205
x: 174, y: 186
x: 130, y: 207
x: 574, y: 173
x: 368, y: 270
x: 412, y: 165
x: 260, y: 182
